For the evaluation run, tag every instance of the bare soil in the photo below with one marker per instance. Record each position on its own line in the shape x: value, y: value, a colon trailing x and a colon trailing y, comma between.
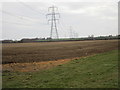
x: 46, y: 51
x: 33, y: 66
x: 48, y: 54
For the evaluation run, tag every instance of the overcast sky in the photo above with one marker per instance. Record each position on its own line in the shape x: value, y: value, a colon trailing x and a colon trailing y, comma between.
x: 28, y: 19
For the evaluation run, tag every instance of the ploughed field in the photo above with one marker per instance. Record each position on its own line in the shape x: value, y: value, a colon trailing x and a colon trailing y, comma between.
x: 46, y: 51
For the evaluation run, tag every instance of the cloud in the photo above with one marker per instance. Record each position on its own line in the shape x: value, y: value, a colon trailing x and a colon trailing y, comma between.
x: 86, y: 18
x: 61, y: 1
x: 103, y: 10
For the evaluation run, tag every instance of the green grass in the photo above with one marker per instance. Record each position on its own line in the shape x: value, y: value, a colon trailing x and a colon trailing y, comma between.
x: 99, y: 71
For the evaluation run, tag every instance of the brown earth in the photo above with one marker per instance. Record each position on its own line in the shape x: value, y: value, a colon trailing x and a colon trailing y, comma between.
x: 26, y: 57
x: 34, y: 66
x: 46, y: 51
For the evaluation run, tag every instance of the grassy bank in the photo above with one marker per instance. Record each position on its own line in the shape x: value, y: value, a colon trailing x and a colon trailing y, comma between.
x: 99, y: 71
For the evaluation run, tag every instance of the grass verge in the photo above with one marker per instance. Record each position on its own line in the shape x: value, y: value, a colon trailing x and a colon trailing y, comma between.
x: 99, y: 71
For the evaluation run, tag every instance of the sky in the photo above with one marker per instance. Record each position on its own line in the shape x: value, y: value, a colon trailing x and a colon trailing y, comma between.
x: 27, y: 19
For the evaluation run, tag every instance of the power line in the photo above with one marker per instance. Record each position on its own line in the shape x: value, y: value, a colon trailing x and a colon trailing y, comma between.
x: 11, y: 14
x: 21, y: 17
x: 15, y: 23
x: 53, y: 21
x: 30, y: 7
x: 26, y: 18
x: 64, y: 26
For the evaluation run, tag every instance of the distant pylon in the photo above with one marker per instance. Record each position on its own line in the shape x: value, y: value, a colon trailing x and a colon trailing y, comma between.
x: 71, y: 32
x: 53, y: 21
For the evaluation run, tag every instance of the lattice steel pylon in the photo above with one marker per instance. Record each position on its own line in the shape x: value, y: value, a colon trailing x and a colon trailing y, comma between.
x: 53, y: 20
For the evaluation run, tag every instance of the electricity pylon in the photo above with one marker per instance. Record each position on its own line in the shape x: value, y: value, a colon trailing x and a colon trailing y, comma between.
x: 73, y: 34
x: 53, y: 20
